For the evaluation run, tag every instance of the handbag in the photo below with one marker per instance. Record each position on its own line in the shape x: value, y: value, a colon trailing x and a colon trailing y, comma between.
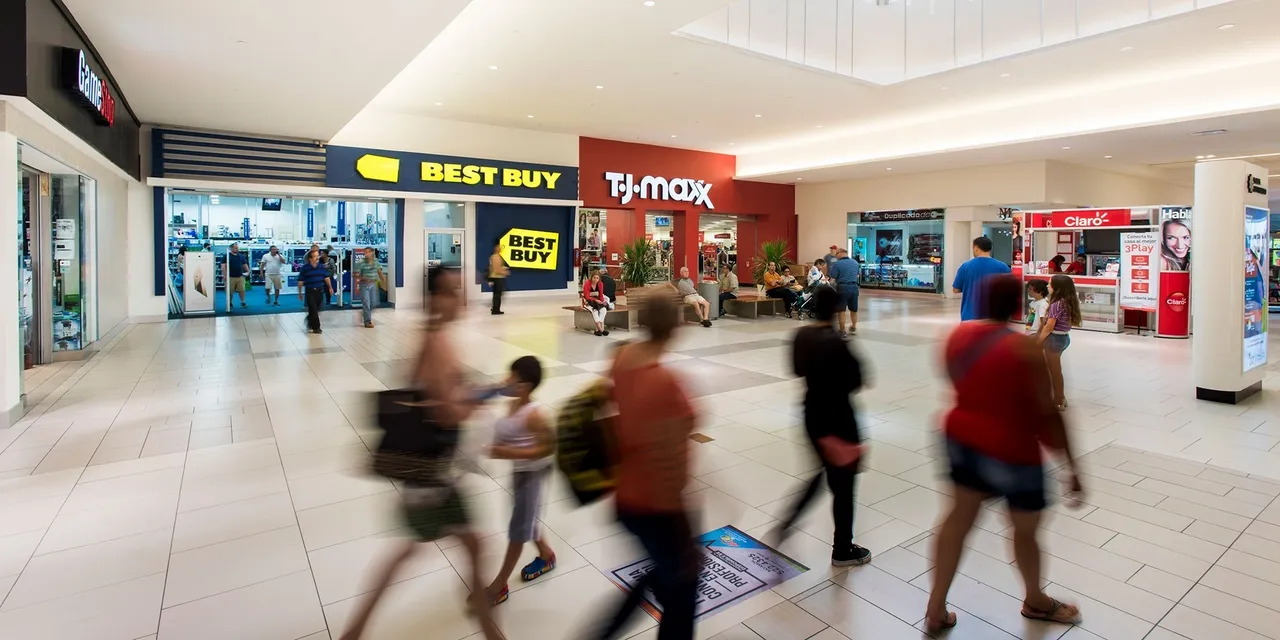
x: 415, y: 445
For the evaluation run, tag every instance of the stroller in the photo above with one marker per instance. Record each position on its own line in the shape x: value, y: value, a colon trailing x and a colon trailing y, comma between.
x: 804, y: 303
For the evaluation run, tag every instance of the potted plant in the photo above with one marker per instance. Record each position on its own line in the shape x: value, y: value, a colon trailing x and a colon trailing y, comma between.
x: 639, y: 263
x: 775, y: 251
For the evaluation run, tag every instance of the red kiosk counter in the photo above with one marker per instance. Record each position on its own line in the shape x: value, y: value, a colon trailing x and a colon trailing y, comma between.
x: 1131, y: 265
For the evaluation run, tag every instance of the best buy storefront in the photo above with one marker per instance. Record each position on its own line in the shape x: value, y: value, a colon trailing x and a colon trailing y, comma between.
x: 461, y: 207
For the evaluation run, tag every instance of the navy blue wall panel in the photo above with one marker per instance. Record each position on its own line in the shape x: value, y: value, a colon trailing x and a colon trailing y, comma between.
x: 494, y: 220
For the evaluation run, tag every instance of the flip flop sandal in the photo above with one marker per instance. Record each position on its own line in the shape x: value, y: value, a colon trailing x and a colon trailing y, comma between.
x: 1058, y: 612
x: 934, y: 629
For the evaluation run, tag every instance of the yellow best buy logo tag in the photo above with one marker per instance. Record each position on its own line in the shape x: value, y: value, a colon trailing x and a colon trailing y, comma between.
x: 527, y: 249
x: 384, y: 169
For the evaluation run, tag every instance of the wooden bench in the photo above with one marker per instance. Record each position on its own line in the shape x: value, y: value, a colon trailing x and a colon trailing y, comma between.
x: 752, y: 305
x: 619, y: 317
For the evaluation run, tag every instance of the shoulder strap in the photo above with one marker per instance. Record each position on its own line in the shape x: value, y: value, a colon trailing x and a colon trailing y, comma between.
x: 974, y: 351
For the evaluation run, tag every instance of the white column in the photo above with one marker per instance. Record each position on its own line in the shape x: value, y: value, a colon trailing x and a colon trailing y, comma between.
x: 415, y: 260
x: 963, y: 225
x: 10, y: 336
x: 1217, y: 280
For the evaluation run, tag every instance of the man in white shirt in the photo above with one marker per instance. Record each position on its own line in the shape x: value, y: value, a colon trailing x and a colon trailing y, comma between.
x: 271, y: 264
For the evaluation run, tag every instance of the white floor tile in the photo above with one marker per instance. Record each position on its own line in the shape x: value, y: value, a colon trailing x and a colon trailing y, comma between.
x: 122, y: 611
x: 1196, y: 625
x: 345, y: 521
x: 226, y: 566
x: 89, y: 526
x: 785, y: 621
x: 328, y: 488
x: 285, y: 607
x: 221, y: 523
x: 754, y: 484
x: 73, y: 571
x: 433, y: 601
x: 1165, y: 585
x: 855, y: 617
x: 1255, y: 618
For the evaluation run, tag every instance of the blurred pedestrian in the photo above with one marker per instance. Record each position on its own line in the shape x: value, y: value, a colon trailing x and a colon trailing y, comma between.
x: 524, y: 437
x: 436, y: 510
x: 654, y: 421
x: 831, y: 373
x: 1003, y: 414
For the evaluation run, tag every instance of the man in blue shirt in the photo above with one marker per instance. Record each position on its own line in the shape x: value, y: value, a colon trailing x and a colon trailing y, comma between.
x: 313, y: 280
x: 237, y: 271
x: 844, y: 273
x: 971, y: 274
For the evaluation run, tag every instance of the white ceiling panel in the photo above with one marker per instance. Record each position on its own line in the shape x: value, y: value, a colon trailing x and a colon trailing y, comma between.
x: 768, y: 21
x: 880, y: 37
x: 891, y: 41
x: 1009, y: 27
x: 931, y: 38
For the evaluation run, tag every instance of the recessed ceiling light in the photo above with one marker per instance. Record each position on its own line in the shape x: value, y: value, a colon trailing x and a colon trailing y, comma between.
x: 1224, y: 27
x: 759, y: 115
x: 888, y: 168
x: 1126, y: 49
x: 673, y: 135
x: 439, y: 104
x: 493, y: 67
x: 1211, y: 156
x: 1107, y: 157
x: 649, y: 3
x: 1065, y: 148
x: 599, y: 86
x: 817, y: 126
x: 1199, y: 157
x: 1004, y: 75
x: 528, y: 116
x: 944, y: 88
x: 731, y: 144
x: 799, y: 179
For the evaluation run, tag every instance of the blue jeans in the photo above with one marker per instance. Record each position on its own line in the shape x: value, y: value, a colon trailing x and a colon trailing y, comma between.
x: 368, y: 298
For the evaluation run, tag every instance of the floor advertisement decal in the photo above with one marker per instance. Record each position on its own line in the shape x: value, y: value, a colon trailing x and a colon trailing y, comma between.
x: 735, y: 566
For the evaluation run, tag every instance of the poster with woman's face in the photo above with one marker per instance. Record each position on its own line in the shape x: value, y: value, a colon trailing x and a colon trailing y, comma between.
x: 1019, y: 242
x: 1175, y: 239
x: 889, y: 243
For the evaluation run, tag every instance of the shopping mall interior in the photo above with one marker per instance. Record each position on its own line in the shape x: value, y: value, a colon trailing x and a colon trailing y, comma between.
x: 178, y: 462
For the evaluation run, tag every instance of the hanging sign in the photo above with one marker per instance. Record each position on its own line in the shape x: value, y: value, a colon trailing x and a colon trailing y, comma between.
x: 311, y: 223
x: 342, y: 218
x: 903, y: 216
x: 1257, y: 225
x: 1089, y: 218
x: 1138, y: 271
x: 624, y: 187
x: 528, y: 249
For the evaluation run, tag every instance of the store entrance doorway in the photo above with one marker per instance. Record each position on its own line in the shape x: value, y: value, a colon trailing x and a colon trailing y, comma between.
x: 447, y: 249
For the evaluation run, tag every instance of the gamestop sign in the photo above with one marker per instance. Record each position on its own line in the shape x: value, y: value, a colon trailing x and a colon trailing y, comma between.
x: 1090, y: 218
x: 88, y: 87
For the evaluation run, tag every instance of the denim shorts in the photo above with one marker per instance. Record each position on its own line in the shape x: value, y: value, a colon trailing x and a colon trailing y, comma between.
x: 1022, y: 486
x: 1057, y: 342
x: 527, y: 491
x: 848, y: 298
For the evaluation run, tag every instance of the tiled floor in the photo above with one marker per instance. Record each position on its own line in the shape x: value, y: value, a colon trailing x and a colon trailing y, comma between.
x: 204, y: 479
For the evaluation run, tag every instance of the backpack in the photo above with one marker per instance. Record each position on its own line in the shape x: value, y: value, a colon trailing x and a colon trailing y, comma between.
x: 584, y: 445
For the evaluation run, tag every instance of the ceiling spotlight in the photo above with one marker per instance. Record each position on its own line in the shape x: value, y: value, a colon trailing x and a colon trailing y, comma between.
x: 649, y: 3
x: 439, y: 104
x: 731, y: 144
x: 944, y: 88
x: 599, y: 86
x: 817, y: 126
x: 1106, y: 157
x: 1004, y: 75
x: 1126, y: 49
x: 888, y: 168
x: 1224, y: 27
x: 493, y: 67
x: 1199, y: 157
x: 673, y: 135
x: 759, y: 115
x: 528, y: 116
x: 1210, y: 156
x: 799, y: 179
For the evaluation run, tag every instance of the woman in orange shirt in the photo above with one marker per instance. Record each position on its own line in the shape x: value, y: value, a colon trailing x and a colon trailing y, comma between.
x: 775, y: 287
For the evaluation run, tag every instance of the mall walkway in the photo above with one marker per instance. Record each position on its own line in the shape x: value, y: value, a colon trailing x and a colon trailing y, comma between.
x: 204, y: 479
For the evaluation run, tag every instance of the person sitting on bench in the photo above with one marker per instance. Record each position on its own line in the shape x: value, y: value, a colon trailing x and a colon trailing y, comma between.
x: 775, y: 286
x: 594, y: 301
x: 689, y: 293
x: 728, y: 286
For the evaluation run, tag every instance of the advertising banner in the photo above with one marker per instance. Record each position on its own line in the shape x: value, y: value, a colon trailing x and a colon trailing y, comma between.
x: 529, y: 249
x: 1021, y: 239
x: 197, y: 282
x: 1257, y: 234
x: 735, y: 566
x: 1174, y: 319
x: 311, y: 223
x: 1175, y: 239
x: 342, y: 219
x: 358, y: 168
x: 1138, y: 271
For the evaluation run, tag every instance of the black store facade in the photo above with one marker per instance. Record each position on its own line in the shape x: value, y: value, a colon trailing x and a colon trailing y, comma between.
x: 68, y: 158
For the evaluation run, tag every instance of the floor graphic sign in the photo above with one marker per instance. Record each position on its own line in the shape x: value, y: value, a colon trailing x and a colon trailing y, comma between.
x: 735, y: 566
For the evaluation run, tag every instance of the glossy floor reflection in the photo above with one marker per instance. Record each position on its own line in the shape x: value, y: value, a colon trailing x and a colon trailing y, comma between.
x: 205, y: 479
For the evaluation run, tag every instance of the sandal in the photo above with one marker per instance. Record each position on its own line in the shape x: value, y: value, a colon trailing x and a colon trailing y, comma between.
x: 934, y: 628
x: 1057, y: 612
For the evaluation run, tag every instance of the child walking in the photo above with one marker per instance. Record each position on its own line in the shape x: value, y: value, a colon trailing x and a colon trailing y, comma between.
x: 1055, y: 334
x: 524, y: 437
x: 1039, y: 292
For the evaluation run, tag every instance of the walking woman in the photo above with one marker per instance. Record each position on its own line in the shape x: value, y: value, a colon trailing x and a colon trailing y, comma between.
x: 1055, y: 332
x: 655, y: 419
x: 1003, y: 414
x: 831, y: 372
x: 437, y: 511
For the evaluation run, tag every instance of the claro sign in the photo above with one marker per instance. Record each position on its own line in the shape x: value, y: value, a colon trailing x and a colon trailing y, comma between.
x: 624, y: 187
x: 1090, y: 218
x: 87, y: 86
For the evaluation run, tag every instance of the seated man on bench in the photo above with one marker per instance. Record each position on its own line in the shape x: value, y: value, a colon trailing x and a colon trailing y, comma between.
x: 728, y: 286
x: 689, y: 294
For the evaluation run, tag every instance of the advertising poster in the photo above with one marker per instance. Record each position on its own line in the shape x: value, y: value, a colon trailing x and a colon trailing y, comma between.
x: 1021, y: 239
x: 1174, y: 319
x: 735, y: 566
x: 860, y: 250
x: 1138, y: 271
x: 197, y: 282
x: 1256, y: 239
x: 889, y: 243
x: 1175, y: 239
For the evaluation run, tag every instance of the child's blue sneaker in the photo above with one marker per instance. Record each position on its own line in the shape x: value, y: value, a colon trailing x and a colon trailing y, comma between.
x: 538, y: 567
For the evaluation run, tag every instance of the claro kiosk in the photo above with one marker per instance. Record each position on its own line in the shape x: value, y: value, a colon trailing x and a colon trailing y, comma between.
x: 1137, y: 263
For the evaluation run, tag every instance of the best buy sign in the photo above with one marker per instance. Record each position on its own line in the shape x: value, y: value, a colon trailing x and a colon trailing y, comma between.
x: 528, y: 249
x: 356, y: 168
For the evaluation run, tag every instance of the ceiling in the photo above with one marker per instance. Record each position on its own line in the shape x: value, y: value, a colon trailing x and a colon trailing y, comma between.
x: 298, y: 68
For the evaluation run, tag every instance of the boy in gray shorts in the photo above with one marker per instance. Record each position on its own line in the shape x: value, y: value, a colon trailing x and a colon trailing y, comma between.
x: 524, y: 437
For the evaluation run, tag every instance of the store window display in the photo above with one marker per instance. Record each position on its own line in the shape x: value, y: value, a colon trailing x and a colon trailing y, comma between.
x: 899, y: 249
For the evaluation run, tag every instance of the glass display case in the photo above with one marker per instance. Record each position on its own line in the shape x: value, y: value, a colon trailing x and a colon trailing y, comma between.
x: 1099, y: 307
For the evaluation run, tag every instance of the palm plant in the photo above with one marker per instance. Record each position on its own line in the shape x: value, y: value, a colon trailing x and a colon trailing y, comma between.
x: 775, y: 251
x: 639, y: 263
